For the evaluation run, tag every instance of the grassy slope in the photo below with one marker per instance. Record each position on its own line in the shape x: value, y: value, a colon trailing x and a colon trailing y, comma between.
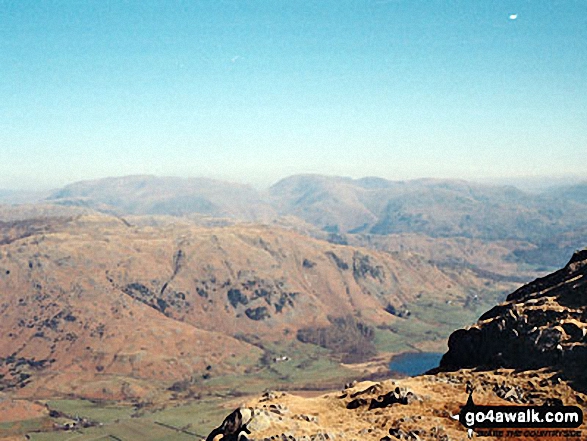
x: 309, y: 367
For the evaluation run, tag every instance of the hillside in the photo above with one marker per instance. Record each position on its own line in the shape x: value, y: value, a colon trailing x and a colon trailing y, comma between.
x: 357, y: 207
x: 437, y: 208
x: 576, y: 192
x: 149, y: 312
x: 529, y: 350
x: 94, y: 306
x: 147, y: 293
x: 165, y: 195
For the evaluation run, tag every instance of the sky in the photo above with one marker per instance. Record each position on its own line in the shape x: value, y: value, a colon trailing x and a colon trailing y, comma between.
x: 254, y: 91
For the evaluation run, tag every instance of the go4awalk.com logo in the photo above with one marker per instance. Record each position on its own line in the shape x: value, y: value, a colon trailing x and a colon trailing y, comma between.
x: 521, y: 421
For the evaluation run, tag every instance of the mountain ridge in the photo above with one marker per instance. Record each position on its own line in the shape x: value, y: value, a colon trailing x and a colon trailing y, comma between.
x: 437, y: 207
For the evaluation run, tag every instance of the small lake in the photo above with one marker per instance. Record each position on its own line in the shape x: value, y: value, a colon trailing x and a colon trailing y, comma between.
x: 414, y: 363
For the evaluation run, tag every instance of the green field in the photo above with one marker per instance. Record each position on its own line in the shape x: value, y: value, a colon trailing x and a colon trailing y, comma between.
x: 175, y: 423
x: 432, y: 321
x: 186, y: 417
x: 200, y: 405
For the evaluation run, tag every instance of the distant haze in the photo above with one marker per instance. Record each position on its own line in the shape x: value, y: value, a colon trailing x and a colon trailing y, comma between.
x: 255, y: 91
x: 27, y: 190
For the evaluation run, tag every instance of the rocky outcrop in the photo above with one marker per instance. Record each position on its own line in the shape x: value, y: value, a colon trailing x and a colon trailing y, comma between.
x: 234, y: 426
x: 417, y: 408
x: 355, y: 413
x: 542, y: 324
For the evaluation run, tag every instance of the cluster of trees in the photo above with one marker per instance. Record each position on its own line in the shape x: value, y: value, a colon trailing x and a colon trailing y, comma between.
x: 346, y: 336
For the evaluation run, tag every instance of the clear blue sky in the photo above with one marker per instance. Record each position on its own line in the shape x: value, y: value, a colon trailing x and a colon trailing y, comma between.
x: 252, y: 91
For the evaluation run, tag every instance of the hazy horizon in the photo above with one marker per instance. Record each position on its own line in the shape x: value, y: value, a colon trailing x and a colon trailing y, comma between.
x: 257, y: 91
x: 524, y: 183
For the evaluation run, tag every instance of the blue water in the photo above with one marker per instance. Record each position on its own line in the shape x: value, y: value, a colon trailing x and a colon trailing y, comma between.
x: 414, y: 363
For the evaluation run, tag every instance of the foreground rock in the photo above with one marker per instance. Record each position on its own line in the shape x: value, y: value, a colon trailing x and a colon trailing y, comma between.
x: 542, y: 324
x: 418, y: 408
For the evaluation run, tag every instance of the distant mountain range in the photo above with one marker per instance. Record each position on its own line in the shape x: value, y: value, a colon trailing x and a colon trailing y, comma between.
x: 438, y: 208
x: 166, y: 196
x: 367, y: 206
